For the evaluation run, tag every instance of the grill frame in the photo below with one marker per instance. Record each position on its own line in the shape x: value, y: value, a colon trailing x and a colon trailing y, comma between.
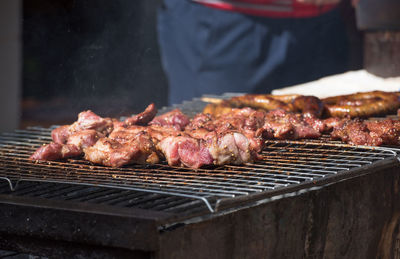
x: 28, y: 222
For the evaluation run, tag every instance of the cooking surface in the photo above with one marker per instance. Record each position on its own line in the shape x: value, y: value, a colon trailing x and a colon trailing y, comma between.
x: 285, y: 166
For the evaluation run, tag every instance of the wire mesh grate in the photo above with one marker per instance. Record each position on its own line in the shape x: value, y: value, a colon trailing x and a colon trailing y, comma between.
x: 283, y: 164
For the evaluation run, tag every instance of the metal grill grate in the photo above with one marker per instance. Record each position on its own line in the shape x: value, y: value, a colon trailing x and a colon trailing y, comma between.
x: 284, y: 164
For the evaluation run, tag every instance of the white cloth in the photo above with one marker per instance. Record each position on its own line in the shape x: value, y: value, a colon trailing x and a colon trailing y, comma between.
x: 346, y: 83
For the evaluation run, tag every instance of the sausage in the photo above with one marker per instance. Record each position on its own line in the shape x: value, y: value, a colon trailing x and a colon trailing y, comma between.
x: 293, y: 103
x: 217, y: 109
x: 308, y: 105
x: 362, y: 104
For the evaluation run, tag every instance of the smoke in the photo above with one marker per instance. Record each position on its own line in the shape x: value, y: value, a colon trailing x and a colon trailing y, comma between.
x: 99, y: 54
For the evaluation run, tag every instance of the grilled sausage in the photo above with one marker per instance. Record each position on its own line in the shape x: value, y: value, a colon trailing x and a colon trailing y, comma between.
x: 258, y: 101
x: 362, y: 104
x: 309, y: 105
x: 292, y: 103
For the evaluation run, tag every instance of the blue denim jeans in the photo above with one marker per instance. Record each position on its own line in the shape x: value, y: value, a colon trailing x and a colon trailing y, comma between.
x: 211, y: 51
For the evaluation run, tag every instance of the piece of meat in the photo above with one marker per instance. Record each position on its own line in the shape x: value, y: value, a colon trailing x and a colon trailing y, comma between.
x: 87, y: 120
x: 260, y: 125
x: 334, y: 122
x: 355, y: 132
x: 158, y: 133
x: 286, y: 125
x: 55, y: 151
x: 174, y: 118
x: 61, y: 134
x: 90, y: 120
x: 213, y: 149
x: 371, y: 133
x: 201, y: 120
x: 111, y: 153
x: 81, y: 134
x: 387, y: 130
x: 73, y: 147
x: 184, y: 150
x: 229, y: 148
x: 144, y: 117
x: 88, y: 129
x: 123, y: 147
x: 246, y: 121
x: 84, y: 138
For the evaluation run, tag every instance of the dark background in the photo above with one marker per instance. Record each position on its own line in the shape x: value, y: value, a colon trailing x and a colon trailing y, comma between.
x: 83, y: 54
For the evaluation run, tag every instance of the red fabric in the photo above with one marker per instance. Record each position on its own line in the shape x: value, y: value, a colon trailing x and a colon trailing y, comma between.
x: 300, y: 10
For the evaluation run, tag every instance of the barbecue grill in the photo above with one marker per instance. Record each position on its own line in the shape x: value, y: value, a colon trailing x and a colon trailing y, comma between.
x: 309, y: 199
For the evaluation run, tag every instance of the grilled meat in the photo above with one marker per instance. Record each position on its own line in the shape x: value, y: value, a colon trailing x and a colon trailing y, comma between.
x: 130, y: 144
x: 372, y: 133
x: 240, y: 134
x: 90, y: 120
x: 284, y: 125
x: 212, y: 148
x: 123, y: 148
x: 236, y: 137
x: 61, y: 134
x: 55, y: 151
x: 72, y: 146
x: 276, y: 124
x: 229, y: 148
x: 87, y: 120
x: 85, y: 138
x: 185, y: 150
x: 71, y: 140
x: 246, y: 121
x: 144, y: 117
x: 174, y: 118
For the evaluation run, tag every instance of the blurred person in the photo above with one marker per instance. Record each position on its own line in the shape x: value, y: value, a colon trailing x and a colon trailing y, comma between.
x: 251, y: 46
